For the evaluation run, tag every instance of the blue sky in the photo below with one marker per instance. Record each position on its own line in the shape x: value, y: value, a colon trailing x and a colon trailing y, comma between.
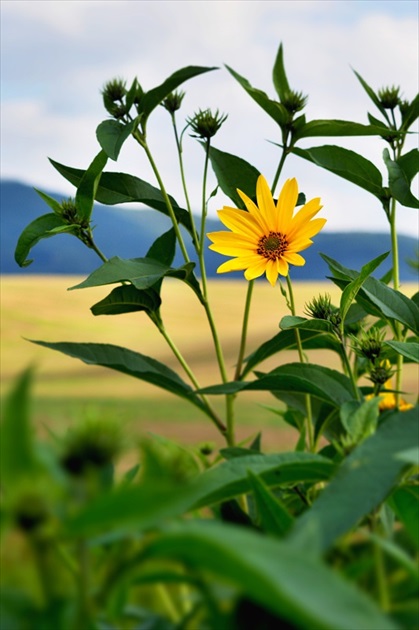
x: 56, y: 56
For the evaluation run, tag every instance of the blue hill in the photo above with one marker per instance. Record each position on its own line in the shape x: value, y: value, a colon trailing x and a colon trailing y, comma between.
x: 129, y: 233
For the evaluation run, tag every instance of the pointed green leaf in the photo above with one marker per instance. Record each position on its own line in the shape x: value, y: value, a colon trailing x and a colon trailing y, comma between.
x: 373, y: 96
x: 300, y: 589
x: 408, y: 349
x: 154, y: 97
x: 115, y: 188
x: 17, y: 458
x: 141, y: 272
x: 53, y: 203
x: 351, y: 290
x: 274, y: 109
x: 360, y: 418
x: 112, y: 134
x: 409, y: 163
x: 411, y: 114
x: 164, y: 248
x: 279, y: 76
x: 361, y: 483
x: 127, y: 299
x: 33, y: 233
x: 230, y: 478
x: 234, y: 173
x: 346, y: 164
x: 128, y: 362
x: 330, y: 128
x: 86, y: 191
x: 399, y: 183
x: 274, y: 517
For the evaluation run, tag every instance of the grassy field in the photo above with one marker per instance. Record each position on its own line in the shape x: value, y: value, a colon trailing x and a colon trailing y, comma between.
x: 39, y: 307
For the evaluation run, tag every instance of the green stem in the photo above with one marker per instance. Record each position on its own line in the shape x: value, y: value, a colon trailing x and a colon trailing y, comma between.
x: 349, y: 372
x: 310, y: 431
x: 166, y: 199
x: 380, y: 572
x: 244, y: 330
x: 279, y: 169
x: 92, y: 245
x: 213, y: 415
x: 185, y: 189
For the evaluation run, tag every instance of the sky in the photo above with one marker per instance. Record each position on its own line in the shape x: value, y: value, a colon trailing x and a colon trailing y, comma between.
x: 57, y: 55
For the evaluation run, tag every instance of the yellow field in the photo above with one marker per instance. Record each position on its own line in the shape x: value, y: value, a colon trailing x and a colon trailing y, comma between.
x: 41, y: 308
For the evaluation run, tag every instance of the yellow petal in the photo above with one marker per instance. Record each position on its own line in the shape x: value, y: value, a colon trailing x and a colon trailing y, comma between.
x: 272, y: 271
x: 286, y: 205
x: 240, y: 221
x: 254, y: 211
x: 255, y: 270
x: 230, y: 250
x: 229, y: 238
x: 294, y: 259
x: 238, y: 264
x: 282, y: 266
x: 304, y: 215
x: 266, y: 203
x: 312, y: 228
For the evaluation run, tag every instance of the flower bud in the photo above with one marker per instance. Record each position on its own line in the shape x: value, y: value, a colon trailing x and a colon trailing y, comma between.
x: 389, y: 97
x: 173, y: 101
x: 381, y: 373
x: 294, y: 101
x: 370, y: 344
x: 92, y: 446
x: 205, y: 124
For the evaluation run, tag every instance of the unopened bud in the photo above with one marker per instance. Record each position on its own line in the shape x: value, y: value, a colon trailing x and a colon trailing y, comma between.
x: 205, y: 124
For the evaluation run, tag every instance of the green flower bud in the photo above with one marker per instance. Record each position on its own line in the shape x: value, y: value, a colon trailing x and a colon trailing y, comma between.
x: 320, y: 307
x: 294, y: 101
x: 389, y: 97
x: 370, y: 344
x: 205, y: 124
x: 92, y: 446
x: 30, y: 511
x: 114, y: 90
x: 381, y: 373
x: 173, y: 101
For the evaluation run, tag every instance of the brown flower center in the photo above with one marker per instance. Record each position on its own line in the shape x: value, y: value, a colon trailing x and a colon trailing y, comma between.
x: 272, y: 246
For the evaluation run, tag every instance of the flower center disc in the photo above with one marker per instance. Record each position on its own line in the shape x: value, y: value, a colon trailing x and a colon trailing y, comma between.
x: 272, y: 246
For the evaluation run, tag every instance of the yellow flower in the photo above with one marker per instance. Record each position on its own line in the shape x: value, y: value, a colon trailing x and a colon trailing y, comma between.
x: 388, y: 400
x: 266, y: 238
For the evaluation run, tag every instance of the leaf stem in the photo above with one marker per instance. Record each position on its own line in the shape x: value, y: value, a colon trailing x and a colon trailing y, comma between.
x: 244, y: 330
x: 310, y: 433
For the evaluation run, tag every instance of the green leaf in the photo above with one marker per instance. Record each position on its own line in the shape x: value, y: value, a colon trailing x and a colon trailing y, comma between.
x: 285, y: 340
x: 361, y: 483
x: 409, y: 163
x: 130, y: 508
x: 389, y: 302
x: 33, y: 233
x: 399, y: 183
x: 295, y: 378
x: 279, y: 76
x: 17, y: 458
x: 115, y: 188
x: 408, y: 349
x: 87, y: 188
x: 298, y: 588
x: 127, y: 299
x: 233, y: 172
x: 360, y: 418
x: 411, y: 114
x: 302, y: 323
x: 351, y: 290
x: 53, y: 203
x: 112, y: 134
x: 230, y: 478
x: 141, y: 272
x: 154, y: 97
x: 128, y: 362
x: 274, y: 109
x: 274, y: 517
x: 373, y: 96
x: 164, y: 248
x: 330, y: 128
x: 346, y: 164
x: 405, y: 502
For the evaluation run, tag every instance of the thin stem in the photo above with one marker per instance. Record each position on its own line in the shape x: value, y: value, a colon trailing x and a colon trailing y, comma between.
x: 279, y: 169
x: 310, y: 432
x: 203, y: 221
x: 95, y: 248
x: 185, y: 189
x: 244, y: 330
x: 213, y: 415
x: 349, y: 371
x: 166, y: 200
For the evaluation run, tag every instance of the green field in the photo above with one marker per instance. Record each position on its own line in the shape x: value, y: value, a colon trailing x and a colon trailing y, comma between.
x: 40, y: 307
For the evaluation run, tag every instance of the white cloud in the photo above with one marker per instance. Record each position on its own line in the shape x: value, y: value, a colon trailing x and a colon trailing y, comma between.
x: 56, y: 56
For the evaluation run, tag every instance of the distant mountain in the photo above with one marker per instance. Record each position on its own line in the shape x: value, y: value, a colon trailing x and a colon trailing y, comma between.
x: 130, y: 232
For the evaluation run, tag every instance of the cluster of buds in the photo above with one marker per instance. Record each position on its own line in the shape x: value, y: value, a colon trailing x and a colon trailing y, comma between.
x: 370, y: 346
x: 70, y: 214
x: 205, y: 124
x: 114, y: 94
x: 322, y: 308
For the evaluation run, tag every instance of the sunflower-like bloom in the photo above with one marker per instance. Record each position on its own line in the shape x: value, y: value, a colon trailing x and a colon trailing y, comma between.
x: 266, y: 238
